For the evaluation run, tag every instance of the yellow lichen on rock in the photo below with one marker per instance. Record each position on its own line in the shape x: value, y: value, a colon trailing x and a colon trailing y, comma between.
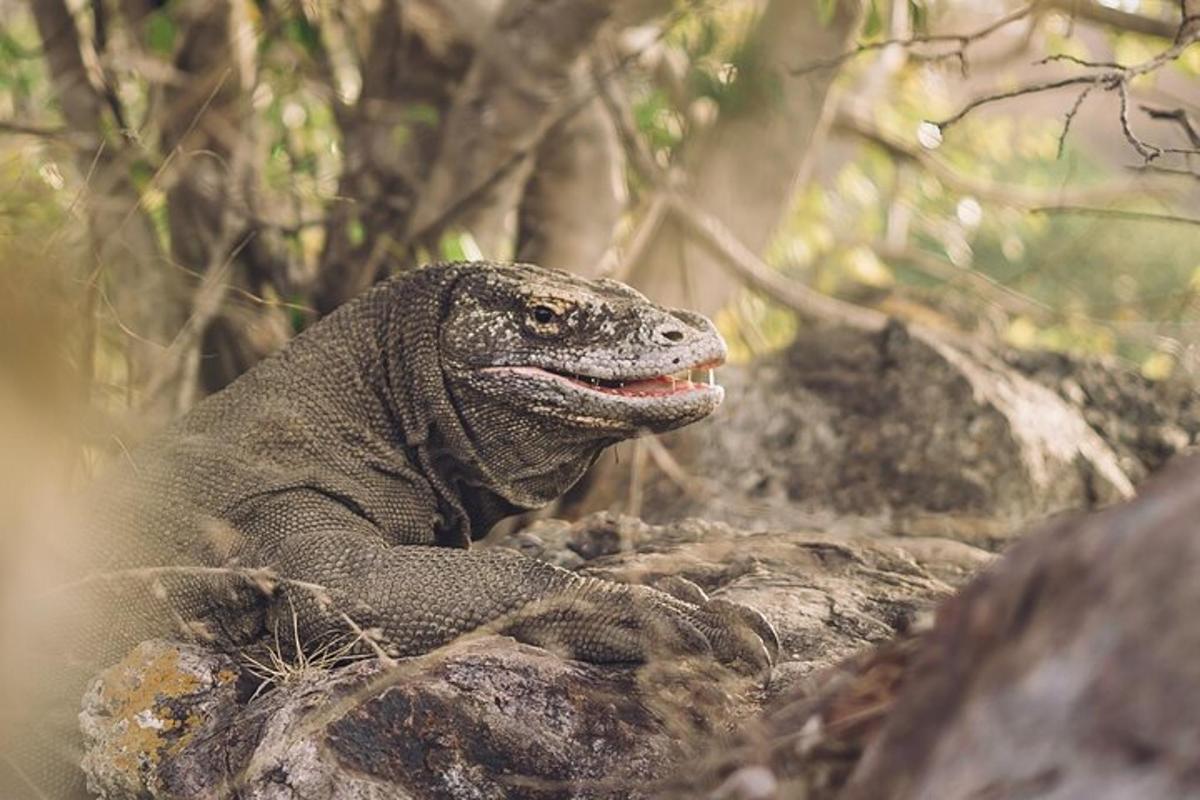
x: 137, y: 692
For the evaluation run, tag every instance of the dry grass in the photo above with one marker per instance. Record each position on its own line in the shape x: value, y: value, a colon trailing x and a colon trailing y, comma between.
x: 290, y: 661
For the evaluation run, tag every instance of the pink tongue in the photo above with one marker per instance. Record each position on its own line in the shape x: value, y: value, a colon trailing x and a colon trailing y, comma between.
x: 655, y: 386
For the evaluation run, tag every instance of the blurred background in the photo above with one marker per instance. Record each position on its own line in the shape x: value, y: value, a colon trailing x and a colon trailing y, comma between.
x: 187, y: 184
x: 952, y: 245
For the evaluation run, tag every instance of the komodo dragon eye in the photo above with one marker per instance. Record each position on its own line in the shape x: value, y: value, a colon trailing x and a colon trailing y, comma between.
x: 546, y: 318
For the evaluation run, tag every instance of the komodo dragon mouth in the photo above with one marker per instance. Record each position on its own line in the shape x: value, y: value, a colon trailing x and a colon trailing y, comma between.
x: 667, y: 385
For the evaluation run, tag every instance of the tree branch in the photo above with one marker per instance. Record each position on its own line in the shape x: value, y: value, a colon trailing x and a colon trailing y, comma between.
x: 1108, y: 77
x: 79, y: 101
x: 758, y: 275
x: 1117, y: 213
x: 23, y: 129
x: 1178, y: 116
x: 1091, y: 11
x: 1009, y: 195
x: 961, y: 40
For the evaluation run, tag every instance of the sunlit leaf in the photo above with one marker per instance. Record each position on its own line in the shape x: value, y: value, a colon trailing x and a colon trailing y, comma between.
x: 459, y: 246
x: 1158, y: 366
x: 1022, y: 332
x: 864, y: 266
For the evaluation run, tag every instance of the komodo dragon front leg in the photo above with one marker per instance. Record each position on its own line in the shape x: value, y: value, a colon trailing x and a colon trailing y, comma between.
x: 339, y: 573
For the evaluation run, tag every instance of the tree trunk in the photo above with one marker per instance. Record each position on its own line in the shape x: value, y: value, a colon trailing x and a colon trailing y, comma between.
x: 389, y: 138
x: 207, y: 123
x: 147, y: 297
x: 574, y: 200
x: 745, y: 169
x: 519, y: 80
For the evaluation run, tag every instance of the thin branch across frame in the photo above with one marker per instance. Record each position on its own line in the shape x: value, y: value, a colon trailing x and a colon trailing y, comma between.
x: 1118, y: 213
x: 1107, y: 77
x: 962, y: 40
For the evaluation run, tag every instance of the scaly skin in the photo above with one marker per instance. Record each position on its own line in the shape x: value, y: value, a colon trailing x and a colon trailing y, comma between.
x: 345, y: 477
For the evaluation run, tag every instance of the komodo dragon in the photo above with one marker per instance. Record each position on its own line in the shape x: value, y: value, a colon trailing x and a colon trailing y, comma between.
x: 356, y: 466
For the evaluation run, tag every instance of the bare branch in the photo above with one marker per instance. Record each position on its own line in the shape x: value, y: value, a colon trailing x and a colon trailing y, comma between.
x: 1118, y: 213
x: 617, y: 105
x: 1070, y: 117
x: 78, y: 99
x: 1009, y: 195
x: 738, y: 258
x: 1083, y: 62
x: 1110, y: 76
x: 1032, y: 88
x: 1178, y: 116
x: 1158, y: 169
x: 1094, y: 12
x: 24, y: 129
x: 961, y: 40
x: 1146, y: 151
x: 100, y: 27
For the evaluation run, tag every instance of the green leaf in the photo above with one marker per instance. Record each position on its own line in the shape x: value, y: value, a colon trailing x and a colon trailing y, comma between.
x: 160, y: 33
x: 459, y: 246
x: 300, y: 31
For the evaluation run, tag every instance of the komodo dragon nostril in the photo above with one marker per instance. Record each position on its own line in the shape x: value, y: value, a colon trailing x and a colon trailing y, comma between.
x: 672, y: 335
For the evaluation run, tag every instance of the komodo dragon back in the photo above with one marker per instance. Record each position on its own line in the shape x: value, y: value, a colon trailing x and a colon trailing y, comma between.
x: 343, y: 479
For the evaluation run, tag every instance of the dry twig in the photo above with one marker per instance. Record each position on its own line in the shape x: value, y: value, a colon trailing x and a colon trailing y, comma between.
x: 962, y: 41
x: 1107, y: 77
x: 1118, y: 213
x: 757, y: 274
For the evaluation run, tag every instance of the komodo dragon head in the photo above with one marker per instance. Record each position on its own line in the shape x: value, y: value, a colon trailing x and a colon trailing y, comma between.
x: 548, y: 368
x: 593, y: 354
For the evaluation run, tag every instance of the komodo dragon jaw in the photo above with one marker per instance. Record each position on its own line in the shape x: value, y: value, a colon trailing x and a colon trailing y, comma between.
x: 659, y: 402
x: 594, y: 354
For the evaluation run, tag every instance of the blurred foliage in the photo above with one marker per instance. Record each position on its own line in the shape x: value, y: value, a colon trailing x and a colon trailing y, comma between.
x: 1099, y: 286
x: 1092, y: 285
x: 41, y: 298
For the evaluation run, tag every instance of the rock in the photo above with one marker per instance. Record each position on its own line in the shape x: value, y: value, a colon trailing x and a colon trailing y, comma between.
x: 1146, y: 422
x: 1067, y: 671
x: 899, y: 425
x: 144, y: 712
x: 810, y: 738
x: 827, y: 595
x: 487, y: 717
